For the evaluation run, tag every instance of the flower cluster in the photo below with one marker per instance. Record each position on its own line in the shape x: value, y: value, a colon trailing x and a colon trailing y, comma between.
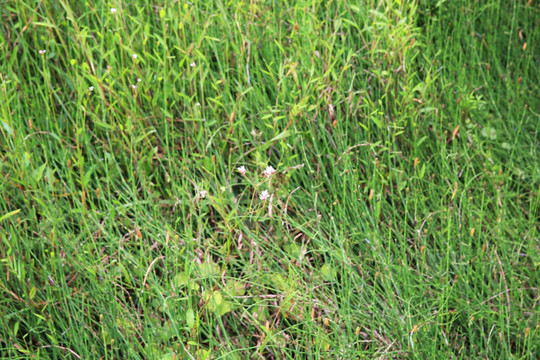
x: 269, y: 171
x: 263, y: 196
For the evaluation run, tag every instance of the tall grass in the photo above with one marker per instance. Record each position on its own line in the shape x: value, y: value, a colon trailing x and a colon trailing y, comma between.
x: 401, y: 222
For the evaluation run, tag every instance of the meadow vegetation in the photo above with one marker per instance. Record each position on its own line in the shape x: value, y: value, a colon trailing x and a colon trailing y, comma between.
x: 269, y: 179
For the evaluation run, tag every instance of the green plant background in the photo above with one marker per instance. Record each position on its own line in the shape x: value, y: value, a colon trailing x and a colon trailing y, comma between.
x: 404, y: 214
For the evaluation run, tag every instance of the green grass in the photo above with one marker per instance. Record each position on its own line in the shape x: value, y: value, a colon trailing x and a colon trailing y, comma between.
x: 404, y: 214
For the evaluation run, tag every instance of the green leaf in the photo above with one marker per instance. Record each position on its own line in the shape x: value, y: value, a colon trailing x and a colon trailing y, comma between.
x: 9, y: 214
x: 235, y: 288
x: 106, y: 337
x: 422, y: 171
x: 217, y: 304
x: 322, y: 342
x: 279, y: 282
x: 32, y: 292
x: 208, y: 269
x: 292, y: 306
x: 190, y: 318
x: 202, y: 354
x: 38, y: 173
x: 294, y: 250
x: 489, y: 132
x: 183, y: 280
x: 180, y: 279
x: 215, y: 301
x: 88, y: 175
x: 278, y: 137
x: 328, y: 272
x: 7, y: 128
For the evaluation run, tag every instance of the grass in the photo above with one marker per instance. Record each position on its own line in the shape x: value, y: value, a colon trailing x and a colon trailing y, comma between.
x: 403, y: 218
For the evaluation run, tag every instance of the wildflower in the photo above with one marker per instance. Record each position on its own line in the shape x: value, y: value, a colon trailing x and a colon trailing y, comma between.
x: 192, y: 64
x: 134, y: 56
x: 134, y: 86
x: 41, y: 52
x: 242, y: 170
x: 91, y: 88
x: 139, y: 80
x: 264, y: 195
x: 113, y: 10
x: 269, y: 171
x: 203, y: 193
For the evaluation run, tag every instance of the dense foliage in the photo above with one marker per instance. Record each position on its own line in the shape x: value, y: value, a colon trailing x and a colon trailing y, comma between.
x: 140, y: 217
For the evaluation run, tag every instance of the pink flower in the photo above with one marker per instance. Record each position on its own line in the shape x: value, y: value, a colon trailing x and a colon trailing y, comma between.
x: 264, y: 195
x: 269, y: 171
x: 203, y: 193
x: 41, y: 52
x: 242, y: 170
